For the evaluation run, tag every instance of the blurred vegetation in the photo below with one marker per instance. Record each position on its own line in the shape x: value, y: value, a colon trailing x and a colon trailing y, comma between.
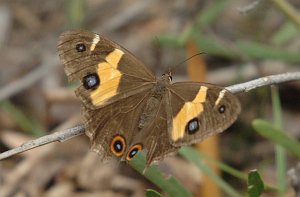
x: 242, y: 50
x: 254, y: 50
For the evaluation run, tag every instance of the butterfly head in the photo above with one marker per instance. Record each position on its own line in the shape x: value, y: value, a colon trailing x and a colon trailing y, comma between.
x: 167, y: 77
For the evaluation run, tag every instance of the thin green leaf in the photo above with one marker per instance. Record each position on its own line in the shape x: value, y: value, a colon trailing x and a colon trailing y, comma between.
x: 267, y: 130
x: 169, y: 185
x: 279, y: 150
x: 205, y: 18
x: 193, y: 155
x: 262, y: 51
x: 285, y: 34
x: 152, y: 193
x: 213, y: 47
x: 209, y: 14
x: 75, y: 10
x: 169, y: 41
x: 230, y: 170
x: 22, y: 120
x: 249, y: 49
x: 255, y: 184
x: 224, y: 167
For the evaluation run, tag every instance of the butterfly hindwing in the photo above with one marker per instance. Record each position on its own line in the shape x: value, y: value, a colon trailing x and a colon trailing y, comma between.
x: 198, y: 110
x: 154, y: 137
x: 107, y: 71
x: 114, y: 121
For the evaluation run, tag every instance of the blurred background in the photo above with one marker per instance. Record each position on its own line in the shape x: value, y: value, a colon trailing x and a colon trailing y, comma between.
x: 241, y: 40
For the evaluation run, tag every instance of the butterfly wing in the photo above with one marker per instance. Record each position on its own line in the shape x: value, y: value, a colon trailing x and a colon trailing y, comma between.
x: 119, y: 121
x: 116, y: 121
x: 107, y: 71
x: 154, y: 138
x: 198, y: 110
x: 114, y: 87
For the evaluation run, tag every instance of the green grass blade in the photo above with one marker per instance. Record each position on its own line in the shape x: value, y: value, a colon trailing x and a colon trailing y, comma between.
x: 193, y: 155
x: 206, y: 17
x: 249, y: 49
x: 22, y: 119
x: 285, y: 34
x: 212, y: 47
x: 224, y: 167
x: 152, y: 193
x: 262, y: 51
x: 255, y: 184
x: 169, y: 41
x: 169, y: 185
x: 209, y: 15
x: 75, y: 10
x: 279, y: 150
x: 274, y: 134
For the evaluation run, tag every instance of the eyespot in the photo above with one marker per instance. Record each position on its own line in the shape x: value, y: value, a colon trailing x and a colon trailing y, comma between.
x: 91, y: 81
x: 133, y: 151
x: 222, y: 109
x: 192, y: 126
x: 80, y: 47
x: 118, y: 145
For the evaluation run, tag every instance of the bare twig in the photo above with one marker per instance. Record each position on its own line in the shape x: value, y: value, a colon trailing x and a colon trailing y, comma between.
x: 288, y: 10
x: 24, y: 167
x: 249, y: 7
x: 264, y: 81
x: 78, y: 130
x: 59, y: 136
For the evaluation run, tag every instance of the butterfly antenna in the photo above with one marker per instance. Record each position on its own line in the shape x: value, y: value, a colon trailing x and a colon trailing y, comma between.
x: 171, y: 68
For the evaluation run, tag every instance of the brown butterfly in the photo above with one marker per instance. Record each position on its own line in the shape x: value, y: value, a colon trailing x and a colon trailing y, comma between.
x: 127, y: 109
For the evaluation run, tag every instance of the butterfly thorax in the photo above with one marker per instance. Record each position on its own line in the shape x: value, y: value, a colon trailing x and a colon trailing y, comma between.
x: 152, y: 104
x: 160, y: 87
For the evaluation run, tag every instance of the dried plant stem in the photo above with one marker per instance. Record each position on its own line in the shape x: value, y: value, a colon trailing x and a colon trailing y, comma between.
x: 249, y: 7
x: 264, y: 81
x: 288, y: 10
x: 78, y: 130
x: 59, y: 136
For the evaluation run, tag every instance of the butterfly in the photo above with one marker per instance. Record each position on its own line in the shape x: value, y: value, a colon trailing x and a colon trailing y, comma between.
x: 127, y: 109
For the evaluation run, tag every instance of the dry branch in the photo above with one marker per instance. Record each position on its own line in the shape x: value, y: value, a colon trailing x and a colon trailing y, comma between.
x: 59, y: 136
x: 78, y: 130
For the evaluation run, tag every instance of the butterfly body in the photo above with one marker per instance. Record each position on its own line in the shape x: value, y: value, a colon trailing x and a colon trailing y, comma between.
x: 126, y: 109
x: 152, y: 104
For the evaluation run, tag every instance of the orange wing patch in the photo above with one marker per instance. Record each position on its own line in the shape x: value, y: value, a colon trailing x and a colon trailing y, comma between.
x: 189, y: 111
x: 109, y: 77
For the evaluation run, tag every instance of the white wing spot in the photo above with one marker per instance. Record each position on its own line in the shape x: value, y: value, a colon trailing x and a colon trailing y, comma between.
x: 96, y: 39
x: 221, y: 95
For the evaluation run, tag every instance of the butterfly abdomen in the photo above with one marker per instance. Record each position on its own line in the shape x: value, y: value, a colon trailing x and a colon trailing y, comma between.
x: 152, y: 105
x: 149, y: 112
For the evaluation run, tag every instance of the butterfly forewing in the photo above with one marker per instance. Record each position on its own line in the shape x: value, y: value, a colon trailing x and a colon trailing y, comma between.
x: 198, y: 110
x: 107, y: 71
